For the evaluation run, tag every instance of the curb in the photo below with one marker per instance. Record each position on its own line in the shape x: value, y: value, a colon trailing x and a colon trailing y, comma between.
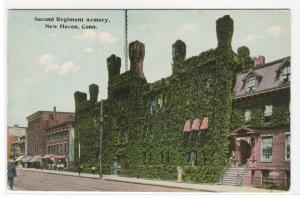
x: 162, y: 185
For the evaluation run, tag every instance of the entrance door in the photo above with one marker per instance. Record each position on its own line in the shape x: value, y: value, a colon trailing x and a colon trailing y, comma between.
x: 245, y: 151
x: 123, y: 162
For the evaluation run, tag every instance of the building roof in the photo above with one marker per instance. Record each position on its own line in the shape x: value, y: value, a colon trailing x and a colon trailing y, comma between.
x: 268, y: 78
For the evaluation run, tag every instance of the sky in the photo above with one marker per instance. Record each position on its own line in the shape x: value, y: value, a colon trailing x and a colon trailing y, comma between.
x: 46, y: 66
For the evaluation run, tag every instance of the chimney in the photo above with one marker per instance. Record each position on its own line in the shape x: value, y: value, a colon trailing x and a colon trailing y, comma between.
x: 178, y: 55
x: 54, y: 112
x: 136, y: 56
x: 258, y: 61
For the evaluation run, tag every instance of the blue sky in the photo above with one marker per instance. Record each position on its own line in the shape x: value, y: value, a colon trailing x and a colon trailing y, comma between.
x: 46, y: 66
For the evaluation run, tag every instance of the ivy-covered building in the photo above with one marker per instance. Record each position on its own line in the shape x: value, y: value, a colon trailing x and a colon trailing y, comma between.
x: 149, y: 129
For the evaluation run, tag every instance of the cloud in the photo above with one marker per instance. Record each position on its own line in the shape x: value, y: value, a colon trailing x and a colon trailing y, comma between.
x: 105, y: 37
x: 274, y: 30
x: 87, y: 35
x: 47, y: 61
x: 67, y: 67
x: 187, y: 28
x: 88, y: 50
x: 271, y: 31
x: 251, y: 38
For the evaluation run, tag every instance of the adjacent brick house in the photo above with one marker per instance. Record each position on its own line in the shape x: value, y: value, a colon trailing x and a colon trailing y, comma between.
x: 262, y: 142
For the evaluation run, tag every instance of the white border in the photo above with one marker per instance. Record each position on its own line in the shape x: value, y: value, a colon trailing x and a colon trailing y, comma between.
x: 155, y: 4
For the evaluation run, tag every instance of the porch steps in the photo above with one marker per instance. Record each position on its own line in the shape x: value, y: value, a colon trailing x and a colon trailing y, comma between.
x: 234, y: 176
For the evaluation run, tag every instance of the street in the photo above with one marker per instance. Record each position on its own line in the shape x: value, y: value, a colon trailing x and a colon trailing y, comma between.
x: 38, y: 181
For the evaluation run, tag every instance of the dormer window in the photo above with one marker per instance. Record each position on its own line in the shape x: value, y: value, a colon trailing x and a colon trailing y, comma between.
x: 251, y: 84
x: 286, y: 74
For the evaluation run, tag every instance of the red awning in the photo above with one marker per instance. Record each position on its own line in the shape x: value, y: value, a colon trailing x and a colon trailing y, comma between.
x: 187, y: 126
x: 196, y: 125
x: 60, y: 156
x: 204, y: 124
x: 47, y: 156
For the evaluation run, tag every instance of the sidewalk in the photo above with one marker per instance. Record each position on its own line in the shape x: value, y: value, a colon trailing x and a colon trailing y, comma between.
x: 191, y: 186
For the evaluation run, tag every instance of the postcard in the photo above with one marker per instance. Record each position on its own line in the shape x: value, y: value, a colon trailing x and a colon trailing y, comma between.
x: 184, y: 100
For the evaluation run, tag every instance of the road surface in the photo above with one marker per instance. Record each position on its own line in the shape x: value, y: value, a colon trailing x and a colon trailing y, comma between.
x: 38, y: 181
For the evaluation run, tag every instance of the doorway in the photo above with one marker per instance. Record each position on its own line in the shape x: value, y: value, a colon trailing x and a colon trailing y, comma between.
x: 245, y: 152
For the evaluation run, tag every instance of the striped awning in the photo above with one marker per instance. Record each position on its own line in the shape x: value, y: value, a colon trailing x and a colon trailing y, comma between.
x: 204, y: 124
x: 196, y: 125
x: 26, y: 158
x: 187, y: 126
x: 60, y: 156
x: 36, y: 158
x: 47, y: 156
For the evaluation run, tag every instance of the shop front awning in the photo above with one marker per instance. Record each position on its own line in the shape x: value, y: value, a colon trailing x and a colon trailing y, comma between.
x: 60, y: 156
x: 187, y: 126
x: 19, y: 158
x: 196, y: 125
x: 204, y: 124
x: 47, y: 156
x: 26, y: 158
x: 36, y: 158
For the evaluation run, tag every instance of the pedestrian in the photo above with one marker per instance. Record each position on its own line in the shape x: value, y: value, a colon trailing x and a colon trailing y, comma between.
x: 11, y: 173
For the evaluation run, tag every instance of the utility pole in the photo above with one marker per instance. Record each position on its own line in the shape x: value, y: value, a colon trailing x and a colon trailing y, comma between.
x: 100, y: 142
x: 126, y: 41
x: 79, y: 166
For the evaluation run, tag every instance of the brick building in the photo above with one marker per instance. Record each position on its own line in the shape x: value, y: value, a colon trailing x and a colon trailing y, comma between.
x: 262, y: 142
x: 60, y: 144
x: 38, y: 123
x: 16, y: 142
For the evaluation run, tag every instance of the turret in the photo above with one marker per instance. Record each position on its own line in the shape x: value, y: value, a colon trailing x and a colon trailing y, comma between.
x: 136, y: 56
x: 80, y: 97
x: 244, y: 54
x: 178, y: 55
x: 94, y: 91
x: 224, y: 32
x: 113, y: 66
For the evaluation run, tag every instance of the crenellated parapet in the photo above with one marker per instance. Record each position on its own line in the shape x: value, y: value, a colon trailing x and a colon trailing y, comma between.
x: 136, y: 56
x: 178, y: 55
x: 113, y: 66
x: 224, y: 31
x: 94, y: 91
x: 80, y: 97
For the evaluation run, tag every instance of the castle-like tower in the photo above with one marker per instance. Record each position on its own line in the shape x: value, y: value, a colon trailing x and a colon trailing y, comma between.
x: 182, y: 120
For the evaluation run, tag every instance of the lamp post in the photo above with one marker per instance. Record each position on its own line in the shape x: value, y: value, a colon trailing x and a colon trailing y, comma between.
x: 100, y: 140
x: 79, y: 159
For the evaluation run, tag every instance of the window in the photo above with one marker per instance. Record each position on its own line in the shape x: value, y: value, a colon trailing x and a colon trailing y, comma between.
x: 126, y: 136
x: 192, y: 158
x: 287, y: 146
x: 268, y: 110
x: 286, y: 74
x: 265, y: 177
x: 266, y: 149
x: 209, y: 89
x: 251, y: 84
x: 247, y: 115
